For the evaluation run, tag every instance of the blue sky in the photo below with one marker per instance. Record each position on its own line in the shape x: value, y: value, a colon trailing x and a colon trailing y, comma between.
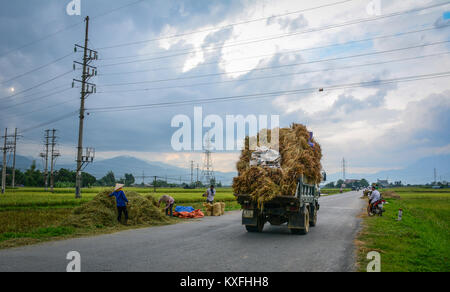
x: 375, y: 128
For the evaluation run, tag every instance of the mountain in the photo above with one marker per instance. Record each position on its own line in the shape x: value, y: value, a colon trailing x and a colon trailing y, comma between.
x: 22, y: 162
x: 127, y: 164
x: 418, y: 172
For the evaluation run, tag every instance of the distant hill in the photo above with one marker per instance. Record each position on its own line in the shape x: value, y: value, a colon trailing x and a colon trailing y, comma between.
x: 419, y: 172
x: 127, y: 164
x: 22, y: 162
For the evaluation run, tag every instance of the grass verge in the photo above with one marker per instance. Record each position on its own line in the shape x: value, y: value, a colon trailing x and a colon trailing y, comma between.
x: 420, y: 242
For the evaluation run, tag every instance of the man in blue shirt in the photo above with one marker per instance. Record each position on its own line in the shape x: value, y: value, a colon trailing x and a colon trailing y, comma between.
x: 121, y: 201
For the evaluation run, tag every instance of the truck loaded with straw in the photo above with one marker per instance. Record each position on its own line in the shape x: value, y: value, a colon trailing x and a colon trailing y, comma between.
x: 280, y: 186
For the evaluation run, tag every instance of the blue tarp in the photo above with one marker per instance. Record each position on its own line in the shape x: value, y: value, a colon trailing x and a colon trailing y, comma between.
x: 180, y: 209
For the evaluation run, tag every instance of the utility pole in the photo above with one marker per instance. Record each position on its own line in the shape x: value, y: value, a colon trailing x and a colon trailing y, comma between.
x: 196, y: 182
x: 343, y: 168
x: 44, y: 155
x: 435, y: 176
x: 86, y: 89
x: 4, y: 162
x: 208, y: 169
x: 143, y: 176
x: 54, y: 154
x: 13, y: 182
x: 192, y: 172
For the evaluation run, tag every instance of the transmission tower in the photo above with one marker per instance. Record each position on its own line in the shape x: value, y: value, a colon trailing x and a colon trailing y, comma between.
x: 192, y: 172
x: 208, y: 169
x: 54, y: 155
x: 343, y: 168
x: 143, y: 177
x: 7, y: 147
x: 44, y: 156
x: 197, y: 182
x: 87, y: 88
x: 13, y: 181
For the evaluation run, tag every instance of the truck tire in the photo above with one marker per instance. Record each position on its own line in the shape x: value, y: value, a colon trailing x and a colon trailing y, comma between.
x: 258, y: 228
x: 305, y: 229
x: 251, y: 228
x: 313, y: 218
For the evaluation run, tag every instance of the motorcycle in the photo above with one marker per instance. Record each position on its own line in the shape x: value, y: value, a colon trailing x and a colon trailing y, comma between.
x: 377, y: 208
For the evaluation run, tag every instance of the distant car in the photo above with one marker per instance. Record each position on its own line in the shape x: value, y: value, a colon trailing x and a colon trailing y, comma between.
x: 354, y: 189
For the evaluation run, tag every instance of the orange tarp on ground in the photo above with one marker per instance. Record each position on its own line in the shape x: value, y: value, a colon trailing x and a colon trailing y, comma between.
x: 187, y: 215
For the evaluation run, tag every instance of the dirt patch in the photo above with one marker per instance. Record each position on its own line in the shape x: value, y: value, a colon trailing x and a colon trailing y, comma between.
x: 390, y: 195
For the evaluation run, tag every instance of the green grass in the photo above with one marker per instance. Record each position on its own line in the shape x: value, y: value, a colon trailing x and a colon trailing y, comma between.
x: 31, y: 215
x: 418, y: 243
x: 329, y: 192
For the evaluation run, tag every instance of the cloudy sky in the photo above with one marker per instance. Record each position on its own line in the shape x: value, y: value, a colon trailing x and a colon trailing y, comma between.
x: 383, y: 66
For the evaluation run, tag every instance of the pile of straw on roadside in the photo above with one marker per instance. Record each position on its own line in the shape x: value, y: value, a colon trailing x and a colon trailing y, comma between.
x: 102, y: 212
x: 298, y: 159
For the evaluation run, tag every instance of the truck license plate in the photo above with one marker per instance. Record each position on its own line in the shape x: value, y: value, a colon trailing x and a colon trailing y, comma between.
x: 248, y: 214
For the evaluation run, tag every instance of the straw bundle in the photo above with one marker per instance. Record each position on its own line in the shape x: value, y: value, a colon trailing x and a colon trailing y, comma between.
x: 217, y: 209
x: 222, y: 208
x: 298, y: 159
x: 208, y: 209
x: 102, y: 211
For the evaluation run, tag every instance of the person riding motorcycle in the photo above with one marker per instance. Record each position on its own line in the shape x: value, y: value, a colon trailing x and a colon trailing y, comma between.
x: 374, y: 197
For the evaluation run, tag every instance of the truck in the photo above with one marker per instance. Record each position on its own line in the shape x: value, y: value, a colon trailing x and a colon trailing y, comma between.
x: 298, y: 211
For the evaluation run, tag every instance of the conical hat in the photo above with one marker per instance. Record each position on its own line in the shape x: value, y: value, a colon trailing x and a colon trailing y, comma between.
x: 118, y: 187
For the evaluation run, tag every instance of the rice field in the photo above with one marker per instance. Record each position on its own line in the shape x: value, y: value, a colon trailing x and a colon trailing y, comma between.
x: 31, y: 215
x: 420, y: 242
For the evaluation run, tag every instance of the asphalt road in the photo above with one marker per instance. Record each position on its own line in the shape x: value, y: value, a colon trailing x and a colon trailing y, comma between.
x: 212, y: 244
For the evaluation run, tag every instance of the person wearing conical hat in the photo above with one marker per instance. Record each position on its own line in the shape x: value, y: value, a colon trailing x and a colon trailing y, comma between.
x: 121, y: 201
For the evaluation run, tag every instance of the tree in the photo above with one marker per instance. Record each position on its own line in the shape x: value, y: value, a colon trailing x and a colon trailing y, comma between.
x: 33, y: 177
x: 364, y: 183
x: 108, y: 179
x: 339, y: 183
x: 330, y: 185
x: 65, y: 176
x: 129, y: 179
x: 87, y: 179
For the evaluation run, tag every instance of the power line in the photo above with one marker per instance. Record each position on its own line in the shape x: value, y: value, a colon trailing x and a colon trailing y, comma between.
x: 41, y: 109
x: 223, y: 27
x: 273, y: 67
x: 327, y: 27
x: 270, y: 94
x: 60, y: 118
x: 38, y: 85
x: 277, y: 76
x: 66, y: 28
x: 37, y: 69
x: 36, y: 99
x: 265, y: 55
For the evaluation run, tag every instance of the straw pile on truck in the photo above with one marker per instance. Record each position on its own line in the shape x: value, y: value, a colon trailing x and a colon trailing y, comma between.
x: 300, y: 156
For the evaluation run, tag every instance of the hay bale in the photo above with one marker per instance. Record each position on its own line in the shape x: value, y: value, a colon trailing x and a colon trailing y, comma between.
x: 298, y: 159
x: 102, y: 211
x: 217, y: 209
x: 222, y: 208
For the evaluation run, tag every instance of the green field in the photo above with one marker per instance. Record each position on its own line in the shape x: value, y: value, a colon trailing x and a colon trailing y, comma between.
x: 420, y: 242
x: 31, y: 215
x: 329, y: 192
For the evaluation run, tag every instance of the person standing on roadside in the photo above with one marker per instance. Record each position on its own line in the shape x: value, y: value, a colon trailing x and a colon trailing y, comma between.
x: 121, y: 202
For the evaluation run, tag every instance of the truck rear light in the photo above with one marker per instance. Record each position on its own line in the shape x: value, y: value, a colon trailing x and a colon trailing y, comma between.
x: 293, y: 209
